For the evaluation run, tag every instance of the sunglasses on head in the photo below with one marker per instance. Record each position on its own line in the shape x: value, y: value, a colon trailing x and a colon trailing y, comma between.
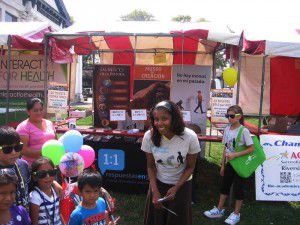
x: 43, y: 173
x: 9, y: 148
x: 231, y: 115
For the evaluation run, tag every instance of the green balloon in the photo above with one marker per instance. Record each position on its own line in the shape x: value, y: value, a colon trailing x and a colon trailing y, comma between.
x: 54, y: 150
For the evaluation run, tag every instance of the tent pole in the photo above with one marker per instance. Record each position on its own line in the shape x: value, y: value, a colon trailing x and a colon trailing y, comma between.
x: 213, y: 80
x: 239, y: 71
x: 182, y: 47
x: 8, y: 77
x: 45, y: 71
x: 134, y: 49
x: 262, y: 91
x: 231, y: 58
x: 69, y: 87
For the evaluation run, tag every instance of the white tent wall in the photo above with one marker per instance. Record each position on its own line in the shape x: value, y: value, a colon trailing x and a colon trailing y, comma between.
x: 250, y: 85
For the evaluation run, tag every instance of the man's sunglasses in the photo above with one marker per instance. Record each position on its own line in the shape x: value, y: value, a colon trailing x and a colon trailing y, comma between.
x: 43, y: 173
x: 231, y: 115
x: 8, y: 149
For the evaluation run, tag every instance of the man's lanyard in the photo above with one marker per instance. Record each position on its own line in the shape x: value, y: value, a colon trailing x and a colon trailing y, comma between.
x: 22, y: 184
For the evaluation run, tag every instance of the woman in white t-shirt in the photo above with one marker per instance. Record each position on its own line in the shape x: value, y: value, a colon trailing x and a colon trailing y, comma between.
x: 171, y: 151
x: 230, y: 177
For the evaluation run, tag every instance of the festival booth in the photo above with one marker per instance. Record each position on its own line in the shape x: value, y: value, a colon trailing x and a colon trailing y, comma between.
x: 268, y: 53
x: 22, y: 68
x: 140, y: 64
x: 270, y: 79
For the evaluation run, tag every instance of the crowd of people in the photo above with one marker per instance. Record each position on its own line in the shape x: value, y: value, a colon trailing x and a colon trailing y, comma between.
x: 30, y: 193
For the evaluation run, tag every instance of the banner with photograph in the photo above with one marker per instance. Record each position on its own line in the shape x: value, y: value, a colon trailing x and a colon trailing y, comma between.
x: 221, y: 100
x: 151, y: 85
x: 111, y: 91
x: 278, y: 178
x: 190, y: 91
x: 27, y: 78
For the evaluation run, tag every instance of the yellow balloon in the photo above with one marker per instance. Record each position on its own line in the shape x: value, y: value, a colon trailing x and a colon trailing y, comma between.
x: 230, y: 76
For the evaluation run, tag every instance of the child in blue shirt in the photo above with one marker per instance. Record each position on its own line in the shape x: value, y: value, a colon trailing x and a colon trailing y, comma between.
x: 92, y: 208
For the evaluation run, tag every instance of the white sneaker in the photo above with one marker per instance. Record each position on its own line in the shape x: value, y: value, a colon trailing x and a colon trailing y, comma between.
x: 214, y: 213
x: 233, y: 219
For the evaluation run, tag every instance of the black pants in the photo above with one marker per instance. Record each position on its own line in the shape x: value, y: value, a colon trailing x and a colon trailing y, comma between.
x: 180, y: 205
x: 231, y: 177
x: 199, y: 106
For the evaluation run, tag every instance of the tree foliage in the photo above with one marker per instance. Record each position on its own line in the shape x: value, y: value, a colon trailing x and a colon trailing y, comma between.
x: 221, y: 61
x: 138, y: 15
x: 182, y: 18
x: 202, y: 19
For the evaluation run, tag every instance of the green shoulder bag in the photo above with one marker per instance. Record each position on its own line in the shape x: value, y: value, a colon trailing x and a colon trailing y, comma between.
x: 245, y: 165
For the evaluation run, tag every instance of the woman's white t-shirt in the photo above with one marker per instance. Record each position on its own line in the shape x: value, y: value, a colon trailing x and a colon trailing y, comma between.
x: 170, y: 157
x: 230, y: 137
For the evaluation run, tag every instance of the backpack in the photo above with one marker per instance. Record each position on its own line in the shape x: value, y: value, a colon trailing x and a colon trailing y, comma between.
x: 245, y: 165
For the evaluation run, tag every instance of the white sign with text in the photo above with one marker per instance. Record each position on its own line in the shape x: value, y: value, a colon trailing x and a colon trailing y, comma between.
x: 221, y: 100
x: 57, y: 101
x: 278, y: 178
x: 117, y: 115
x: 139, y: 114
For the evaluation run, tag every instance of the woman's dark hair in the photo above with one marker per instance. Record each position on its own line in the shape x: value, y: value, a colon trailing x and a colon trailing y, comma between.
x: 7, y: 177
x: 8, y: 136
x: 31, y: 102
x: 177, y: 123
x: 90, y: 177
x: 238, y: 110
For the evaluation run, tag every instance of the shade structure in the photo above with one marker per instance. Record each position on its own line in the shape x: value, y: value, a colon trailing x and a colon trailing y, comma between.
x: 137, y: 42
x: 24, y: 35
x: 271, y: 39
x: 281, y: 43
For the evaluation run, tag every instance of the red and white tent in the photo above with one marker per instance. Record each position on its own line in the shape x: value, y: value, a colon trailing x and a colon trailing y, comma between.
x: 272, y: 40
x: 137, y: 42
x: 281, y: 43
x: 24, y: 35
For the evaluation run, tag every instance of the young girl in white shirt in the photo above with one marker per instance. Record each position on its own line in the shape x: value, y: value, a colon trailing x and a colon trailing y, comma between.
x: 230, y: 177
x: 171, y: 151
x: 44, y: 201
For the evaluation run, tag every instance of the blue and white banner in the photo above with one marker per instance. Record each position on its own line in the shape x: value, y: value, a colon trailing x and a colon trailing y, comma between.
x: 278, y: 178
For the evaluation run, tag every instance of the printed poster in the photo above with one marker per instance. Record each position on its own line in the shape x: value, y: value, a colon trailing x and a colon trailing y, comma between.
x: 151, y: 85
x: 190, y: 91
x: 111, y: 91
x: 27, y: 78
x: 221, y: 100
x: 278, y: 178
x: 57, y: 101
